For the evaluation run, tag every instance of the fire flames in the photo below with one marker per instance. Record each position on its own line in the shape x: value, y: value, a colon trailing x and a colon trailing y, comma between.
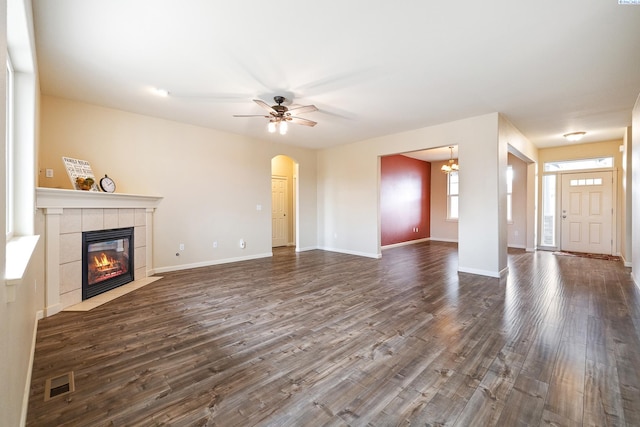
x: 105, y: 267
x: 103, y: 262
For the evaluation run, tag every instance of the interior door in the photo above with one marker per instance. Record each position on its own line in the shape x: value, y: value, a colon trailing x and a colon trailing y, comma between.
x: 587, y: 212
x: 279, y: 220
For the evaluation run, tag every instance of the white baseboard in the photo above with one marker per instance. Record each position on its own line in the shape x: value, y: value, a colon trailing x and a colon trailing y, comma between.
x: 409, y: 242
x: 497, y: 274
x: 27, y: 386
x: 210, y: 263
x: 309, y: 248
x: 348, y: 252
x: 53, y: 309
x: 442, y: 239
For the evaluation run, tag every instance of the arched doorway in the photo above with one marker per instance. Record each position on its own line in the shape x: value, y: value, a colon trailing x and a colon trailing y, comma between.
x: 283, y: 201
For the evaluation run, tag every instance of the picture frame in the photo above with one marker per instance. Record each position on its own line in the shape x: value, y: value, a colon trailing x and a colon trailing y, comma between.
x: 80, y: 174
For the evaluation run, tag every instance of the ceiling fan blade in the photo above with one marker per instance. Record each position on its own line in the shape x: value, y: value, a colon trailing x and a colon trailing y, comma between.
x: 251, y: 115
x: 265, y: 105
x: 301, y: 121
x: 303, y: 109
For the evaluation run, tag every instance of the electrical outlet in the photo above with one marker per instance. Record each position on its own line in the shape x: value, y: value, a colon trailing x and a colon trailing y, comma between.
x: 215, y: 244
x: 49, y: 173
x: 182, y: 246
x: 243, y: 244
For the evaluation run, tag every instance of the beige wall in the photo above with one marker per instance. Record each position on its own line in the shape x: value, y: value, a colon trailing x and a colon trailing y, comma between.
x: 212, y: 182
x: 348, y: 178
x: 626, y: 199
x: 442, y: 229
x: 447, y: 230
x: 582, y: 151
x: 517, y: 229
x: 519, y: 146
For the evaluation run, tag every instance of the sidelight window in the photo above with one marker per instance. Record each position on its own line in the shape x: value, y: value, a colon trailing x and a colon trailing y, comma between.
x: 509, y: 194
x: 549, y: 210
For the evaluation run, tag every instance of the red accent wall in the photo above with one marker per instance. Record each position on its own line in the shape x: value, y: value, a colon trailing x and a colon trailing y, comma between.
x: 405, y: 186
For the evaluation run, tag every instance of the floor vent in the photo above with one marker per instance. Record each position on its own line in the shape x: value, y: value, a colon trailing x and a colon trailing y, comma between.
x: 59, y: 386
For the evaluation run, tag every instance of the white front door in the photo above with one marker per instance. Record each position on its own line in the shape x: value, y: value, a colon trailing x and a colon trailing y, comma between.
x: 587, y: 212
x: 279, y: 221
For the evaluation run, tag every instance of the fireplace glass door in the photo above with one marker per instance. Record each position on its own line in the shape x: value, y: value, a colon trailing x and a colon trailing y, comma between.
x: 107, y: 260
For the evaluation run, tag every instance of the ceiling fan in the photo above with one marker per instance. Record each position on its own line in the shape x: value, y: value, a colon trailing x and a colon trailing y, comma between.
x: 279, y: 115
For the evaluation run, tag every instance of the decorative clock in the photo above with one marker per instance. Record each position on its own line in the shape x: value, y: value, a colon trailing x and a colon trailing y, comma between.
x: 107, y: 185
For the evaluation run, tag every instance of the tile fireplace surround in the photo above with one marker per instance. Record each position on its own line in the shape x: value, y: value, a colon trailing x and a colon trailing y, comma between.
x: 68, y: 213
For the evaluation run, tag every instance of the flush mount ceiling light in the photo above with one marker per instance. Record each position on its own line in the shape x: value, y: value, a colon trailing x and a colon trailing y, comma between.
x: 574, y: 136
x: 452, y: 166
x: 161, y: 92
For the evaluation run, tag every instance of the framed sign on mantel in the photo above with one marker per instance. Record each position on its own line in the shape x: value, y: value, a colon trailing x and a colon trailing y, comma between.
x: 80, y: 174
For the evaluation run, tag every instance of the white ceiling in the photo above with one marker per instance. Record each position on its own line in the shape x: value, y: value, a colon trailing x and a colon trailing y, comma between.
x: 371, y: 67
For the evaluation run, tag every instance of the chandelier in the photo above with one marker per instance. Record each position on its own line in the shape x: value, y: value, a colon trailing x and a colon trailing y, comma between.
x: 452, y: 166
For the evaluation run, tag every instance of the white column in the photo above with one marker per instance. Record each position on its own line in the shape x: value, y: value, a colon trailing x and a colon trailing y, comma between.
x: 52, y: 262
x: 532, y: 203
x: 149, y: 247
x: 482, y: 226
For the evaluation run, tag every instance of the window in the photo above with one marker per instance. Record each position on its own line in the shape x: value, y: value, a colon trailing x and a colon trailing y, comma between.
x: 549, y: 210
x: 582, y: 182
x: 452, y: 195
x: 509, y: 193
x: 571, y: 165
x: 9, y: 163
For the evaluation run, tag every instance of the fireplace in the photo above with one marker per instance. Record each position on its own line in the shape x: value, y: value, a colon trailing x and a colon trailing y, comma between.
x: 107, y: 260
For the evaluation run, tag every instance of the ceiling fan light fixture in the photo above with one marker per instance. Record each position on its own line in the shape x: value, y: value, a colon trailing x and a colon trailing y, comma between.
x: 279, y: 115
x: 574, y: 136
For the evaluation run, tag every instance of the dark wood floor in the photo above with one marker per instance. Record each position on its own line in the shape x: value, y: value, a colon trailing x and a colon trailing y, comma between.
x: 321, y: 338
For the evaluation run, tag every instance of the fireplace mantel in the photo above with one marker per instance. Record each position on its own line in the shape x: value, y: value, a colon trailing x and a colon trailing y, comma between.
x: 67, y: 199
x: 68, y: 213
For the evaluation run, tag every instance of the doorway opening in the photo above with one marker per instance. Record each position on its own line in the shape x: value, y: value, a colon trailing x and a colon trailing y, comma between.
x: 520, y: 200
x: 284, y: 175
x: 579, y: 205
x: 418, y: 201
